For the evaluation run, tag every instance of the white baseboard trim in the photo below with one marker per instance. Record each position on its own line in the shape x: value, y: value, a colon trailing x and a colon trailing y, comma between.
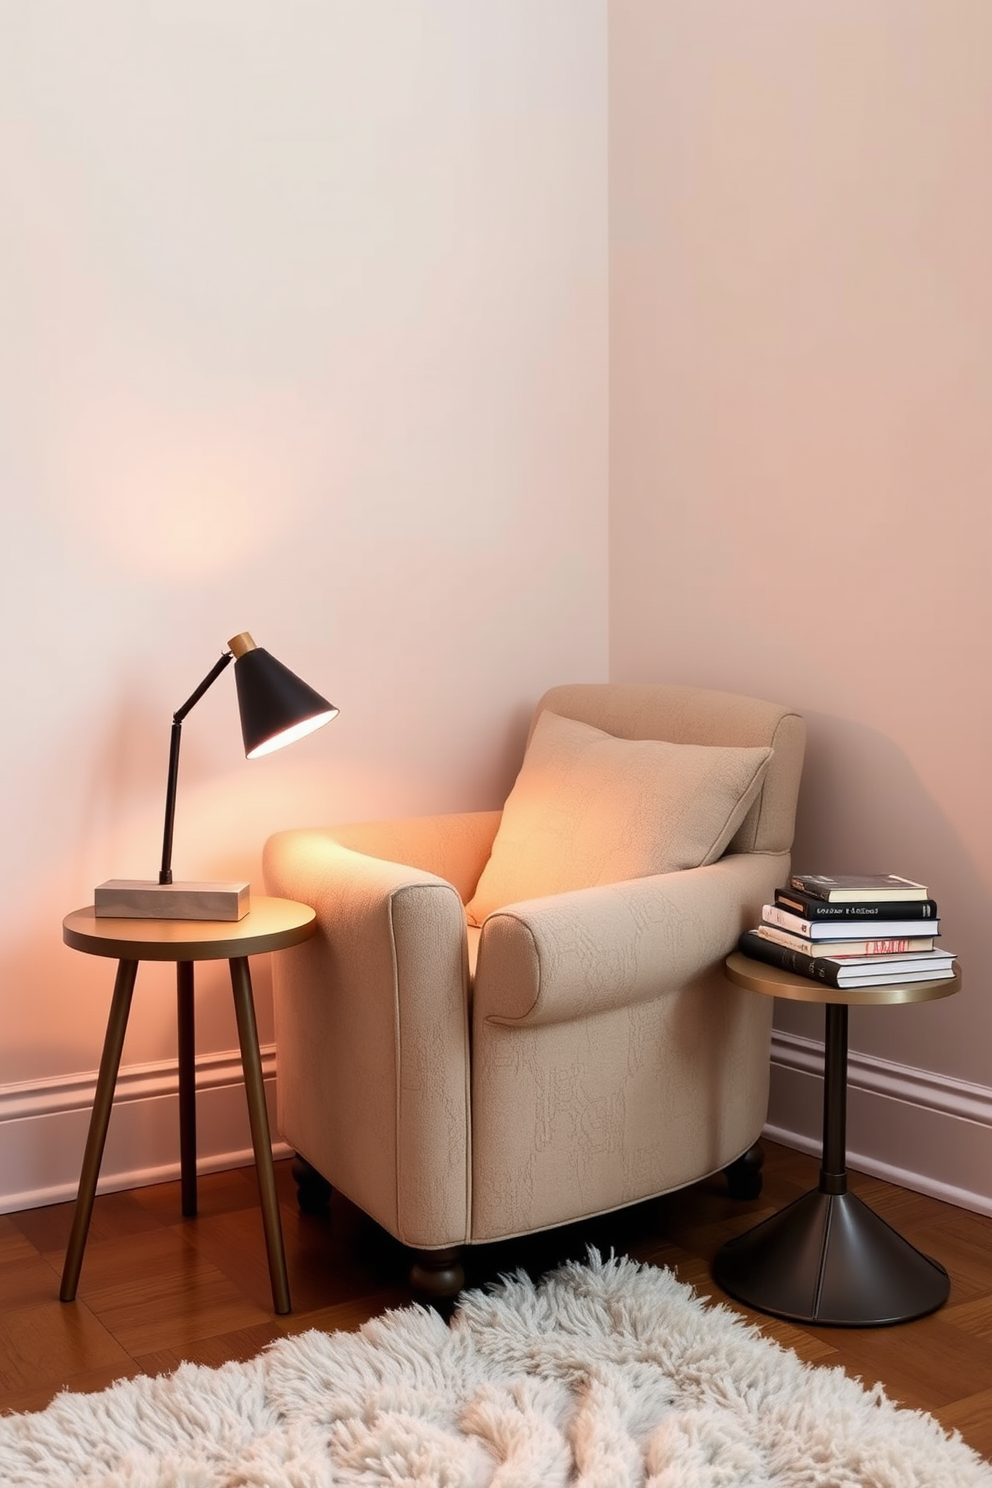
x: 923, y: 1131
x: 43, y: 1127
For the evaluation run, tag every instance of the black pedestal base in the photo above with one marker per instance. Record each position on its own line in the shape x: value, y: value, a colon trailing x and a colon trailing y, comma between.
x: 828, y: 1258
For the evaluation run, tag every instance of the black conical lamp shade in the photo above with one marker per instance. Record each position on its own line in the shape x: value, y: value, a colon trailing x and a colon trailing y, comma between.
x: 276, y: 705
x: 276, y: 708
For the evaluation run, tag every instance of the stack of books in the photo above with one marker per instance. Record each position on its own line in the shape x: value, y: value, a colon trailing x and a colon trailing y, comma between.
x: 851, y: 930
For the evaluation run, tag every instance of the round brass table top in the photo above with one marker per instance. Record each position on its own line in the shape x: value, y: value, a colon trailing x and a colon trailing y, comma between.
x: 774, y: 982
x: 269, y: 925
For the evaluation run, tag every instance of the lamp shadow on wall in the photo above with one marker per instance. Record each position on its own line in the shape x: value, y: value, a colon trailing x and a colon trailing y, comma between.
x: 120, y: 796
x: 861, y: 795
x: 864, y: 808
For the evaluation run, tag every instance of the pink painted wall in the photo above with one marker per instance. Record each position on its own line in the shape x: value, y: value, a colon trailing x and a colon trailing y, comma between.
x: 801, y: 424
x: 303, y: 318
x: 304, y: 331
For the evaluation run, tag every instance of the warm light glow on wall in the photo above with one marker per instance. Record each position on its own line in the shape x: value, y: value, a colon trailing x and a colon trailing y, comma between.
x: 168, y: 499
x: 181, y: 492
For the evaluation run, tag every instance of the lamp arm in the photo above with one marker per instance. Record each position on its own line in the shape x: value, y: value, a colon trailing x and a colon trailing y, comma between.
x: 165, y: 872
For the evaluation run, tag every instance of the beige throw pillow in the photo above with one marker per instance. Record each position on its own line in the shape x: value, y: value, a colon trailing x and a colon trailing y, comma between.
x: 588, y: 808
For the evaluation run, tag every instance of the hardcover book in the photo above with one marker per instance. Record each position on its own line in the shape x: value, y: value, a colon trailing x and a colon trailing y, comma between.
x: 810, y: 907
x: 841, y: 887
x: 876, y: 948
x: 928, y: 967
x: 839, y: 927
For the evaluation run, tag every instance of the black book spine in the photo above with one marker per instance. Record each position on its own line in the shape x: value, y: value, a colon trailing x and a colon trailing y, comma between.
x: 817, y: 969
x: 808, y: 907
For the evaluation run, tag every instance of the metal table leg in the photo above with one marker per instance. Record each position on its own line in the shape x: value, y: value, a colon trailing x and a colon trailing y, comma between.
x: 187, y: 1086
x: 828, y: 1257
x: 110, y: 1063
x: 244, y: 1008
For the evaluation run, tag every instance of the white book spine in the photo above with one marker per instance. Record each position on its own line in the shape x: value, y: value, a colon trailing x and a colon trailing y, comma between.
x: 879, y: 948
x: 773, y: 915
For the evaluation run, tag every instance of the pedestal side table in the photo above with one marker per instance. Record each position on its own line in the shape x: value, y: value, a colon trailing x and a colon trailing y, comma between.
x: 827, y: 1257
x: 270, y: 925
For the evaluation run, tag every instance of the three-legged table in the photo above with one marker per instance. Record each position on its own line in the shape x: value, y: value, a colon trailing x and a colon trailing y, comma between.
x: 270, y: 925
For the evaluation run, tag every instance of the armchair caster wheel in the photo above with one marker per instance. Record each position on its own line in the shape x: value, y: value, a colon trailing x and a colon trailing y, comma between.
x: 438, y: 1274
x: 744, y: 1174
x: 313, y: 1192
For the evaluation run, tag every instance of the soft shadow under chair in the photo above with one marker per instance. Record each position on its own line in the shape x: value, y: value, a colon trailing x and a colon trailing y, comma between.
x: 578, y: 1048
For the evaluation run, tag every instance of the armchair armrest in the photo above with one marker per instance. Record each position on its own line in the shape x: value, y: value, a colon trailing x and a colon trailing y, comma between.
x: 453, y: 847
x: 372, y: 1018
x: 572, y: 955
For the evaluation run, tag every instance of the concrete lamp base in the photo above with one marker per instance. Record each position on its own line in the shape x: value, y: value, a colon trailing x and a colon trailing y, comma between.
x: 138, y: 899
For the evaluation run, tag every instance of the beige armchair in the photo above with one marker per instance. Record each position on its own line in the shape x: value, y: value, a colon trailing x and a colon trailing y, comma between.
x: 576, y: 1050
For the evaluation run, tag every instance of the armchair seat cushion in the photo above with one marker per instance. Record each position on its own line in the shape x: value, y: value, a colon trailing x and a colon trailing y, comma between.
x: 589, y: 809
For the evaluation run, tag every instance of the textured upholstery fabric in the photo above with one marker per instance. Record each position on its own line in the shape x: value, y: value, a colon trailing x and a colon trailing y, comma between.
x: 699, y: 715
x: 588, y: 808
x: 579, y: 1052
x: 602, y: 1021
x: 372, y: 1019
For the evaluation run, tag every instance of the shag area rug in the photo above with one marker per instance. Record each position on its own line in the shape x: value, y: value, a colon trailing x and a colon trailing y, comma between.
x: 602, y: 1375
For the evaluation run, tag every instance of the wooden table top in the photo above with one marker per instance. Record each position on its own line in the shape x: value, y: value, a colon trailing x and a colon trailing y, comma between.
x: 774, y: 982
x: 270, y: 925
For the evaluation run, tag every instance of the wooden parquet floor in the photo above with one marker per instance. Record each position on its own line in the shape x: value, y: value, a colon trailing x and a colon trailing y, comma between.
x: 157, y: 1289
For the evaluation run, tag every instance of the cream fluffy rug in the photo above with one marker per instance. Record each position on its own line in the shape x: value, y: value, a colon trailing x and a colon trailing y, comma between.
x: 604, y: 1375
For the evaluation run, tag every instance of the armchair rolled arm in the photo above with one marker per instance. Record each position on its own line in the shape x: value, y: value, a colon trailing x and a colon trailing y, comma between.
x: 453, y: 847
x: 372, y: 1022
x: 386, y: 931
x: 569, y: 956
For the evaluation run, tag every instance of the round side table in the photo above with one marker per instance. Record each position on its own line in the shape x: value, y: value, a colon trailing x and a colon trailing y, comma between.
x: 270, y: 925
x: 827, y: 1257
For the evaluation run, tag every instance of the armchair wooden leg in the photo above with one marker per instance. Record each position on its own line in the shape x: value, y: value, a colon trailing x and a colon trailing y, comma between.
x: 744, y: 1174
x: 313, y: 1192
x: 438, y: 1273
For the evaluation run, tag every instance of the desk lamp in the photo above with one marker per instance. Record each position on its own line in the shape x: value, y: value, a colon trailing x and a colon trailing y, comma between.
x: 276, y: 707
